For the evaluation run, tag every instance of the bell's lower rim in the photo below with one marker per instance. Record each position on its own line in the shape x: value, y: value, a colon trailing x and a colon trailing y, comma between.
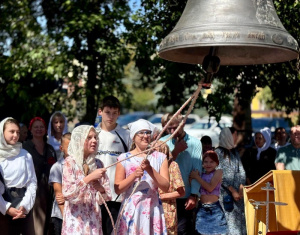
x: 230, y: 54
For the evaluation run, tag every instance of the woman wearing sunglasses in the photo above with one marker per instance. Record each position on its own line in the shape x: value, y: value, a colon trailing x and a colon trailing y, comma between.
x: 141, y: 212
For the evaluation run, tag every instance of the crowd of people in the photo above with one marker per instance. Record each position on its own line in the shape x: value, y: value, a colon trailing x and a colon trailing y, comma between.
x: 110, y: 180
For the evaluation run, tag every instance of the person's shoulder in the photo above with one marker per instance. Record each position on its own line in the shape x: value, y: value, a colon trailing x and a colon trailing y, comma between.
x: 165, y: 137
x: 272, y: 150
x: 55, y: 167
x: 99, y: 163
x: 192, y: 138
x: 27, y: 144
x: 24, y: 153
x: 69, y: 160
x: 121, y: 130
x: 286, y: 148
x: 123, y: 156
x: 173, y: 164
x: 50, y: 146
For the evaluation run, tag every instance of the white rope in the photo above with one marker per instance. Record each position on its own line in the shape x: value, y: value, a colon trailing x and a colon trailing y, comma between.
x: 194, y: 99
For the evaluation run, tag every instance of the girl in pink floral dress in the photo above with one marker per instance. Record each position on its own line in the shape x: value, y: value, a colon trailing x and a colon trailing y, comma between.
x: 142, y: 213
x: 84, y: 184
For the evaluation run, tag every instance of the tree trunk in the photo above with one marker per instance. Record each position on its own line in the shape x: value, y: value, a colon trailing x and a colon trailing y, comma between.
x: 242, y: 122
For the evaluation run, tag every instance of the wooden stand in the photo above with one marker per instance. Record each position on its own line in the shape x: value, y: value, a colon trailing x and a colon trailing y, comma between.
x: 281, y: 218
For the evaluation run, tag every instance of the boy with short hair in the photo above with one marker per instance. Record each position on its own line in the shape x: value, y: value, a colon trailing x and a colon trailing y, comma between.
x: 55, y: 179
x: 206, y: 143
x: 113, y: 140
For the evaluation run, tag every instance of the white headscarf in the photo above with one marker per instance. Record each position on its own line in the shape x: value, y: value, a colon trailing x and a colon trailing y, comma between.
x: 51, y: 139
x: 139, y: 125
x: 76, y: 147
x: 266, y: 132
x: 226, y: 139
x: 7, y: 150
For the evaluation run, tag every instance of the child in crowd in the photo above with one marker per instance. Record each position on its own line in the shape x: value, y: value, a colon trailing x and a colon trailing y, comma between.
x: 17, y: 182
x: 141, y: 211
x: 206, y: 143
x: 23, y: 132
x: 55, y: 179
x: 176, y: 190
x: 58, y: 125
x: 210, y: 216
x: 113, y: 140
x: 85, y: 184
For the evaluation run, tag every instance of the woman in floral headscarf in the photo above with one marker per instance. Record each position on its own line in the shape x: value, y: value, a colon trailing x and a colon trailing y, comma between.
x: 85, y: 184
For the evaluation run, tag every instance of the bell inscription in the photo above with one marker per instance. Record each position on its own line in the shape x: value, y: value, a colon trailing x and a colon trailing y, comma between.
x: 256, y: 35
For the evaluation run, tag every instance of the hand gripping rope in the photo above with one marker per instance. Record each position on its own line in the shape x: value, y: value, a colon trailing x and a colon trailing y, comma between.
x: 193, y: 100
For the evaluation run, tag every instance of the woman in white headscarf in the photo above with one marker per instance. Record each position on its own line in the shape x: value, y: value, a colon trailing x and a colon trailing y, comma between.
x: 17, y: 182
x: 141, y: 212
x: 261, y: 159
x: 234, y: 178
x: 84, y: 185
x: 57, y: 127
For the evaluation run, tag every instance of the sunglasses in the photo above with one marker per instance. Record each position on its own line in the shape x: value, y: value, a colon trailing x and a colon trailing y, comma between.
x: 142, y: 133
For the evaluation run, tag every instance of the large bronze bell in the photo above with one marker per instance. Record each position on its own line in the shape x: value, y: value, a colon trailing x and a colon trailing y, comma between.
x: 238, y: 32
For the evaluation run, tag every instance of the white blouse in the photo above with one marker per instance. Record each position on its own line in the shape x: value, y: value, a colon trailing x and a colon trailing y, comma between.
x: 18, y: 172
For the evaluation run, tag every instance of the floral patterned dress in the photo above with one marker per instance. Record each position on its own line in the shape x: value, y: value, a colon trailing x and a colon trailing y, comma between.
x: 143, y: 213
x: 234, y: 175
x: 82, y: 214
x: 169, y: 205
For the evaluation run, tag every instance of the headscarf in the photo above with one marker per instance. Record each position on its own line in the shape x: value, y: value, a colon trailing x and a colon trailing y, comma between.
x: 36, y: 119
x: 76, y: 147
x: 266, y: 132
x: 226, y: 139
x: 7, y: 150
x: 139, y: 125
x: 51, y: 139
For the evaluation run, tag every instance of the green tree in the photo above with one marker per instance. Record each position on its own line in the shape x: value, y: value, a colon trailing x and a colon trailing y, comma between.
x: 30, y: 66
x: 95, y: 31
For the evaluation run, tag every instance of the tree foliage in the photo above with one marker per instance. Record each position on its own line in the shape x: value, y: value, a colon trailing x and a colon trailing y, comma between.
x: 43, y: 42
x: 157, y: 18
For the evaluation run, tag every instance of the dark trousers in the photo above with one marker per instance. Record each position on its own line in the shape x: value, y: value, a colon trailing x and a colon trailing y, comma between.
x: 57, y: 224
x: 18, y: 226
x: 186, y: 218
x: 114, y: 208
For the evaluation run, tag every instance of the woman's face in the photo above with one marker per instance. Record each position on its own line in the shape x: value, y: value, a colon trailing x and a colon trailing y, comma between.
x: 91, y: 143
x: 58, y: 124
x: 11, y: 133
x: 142, y: 139
x: 38, y: 129
x: 259, y: 140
